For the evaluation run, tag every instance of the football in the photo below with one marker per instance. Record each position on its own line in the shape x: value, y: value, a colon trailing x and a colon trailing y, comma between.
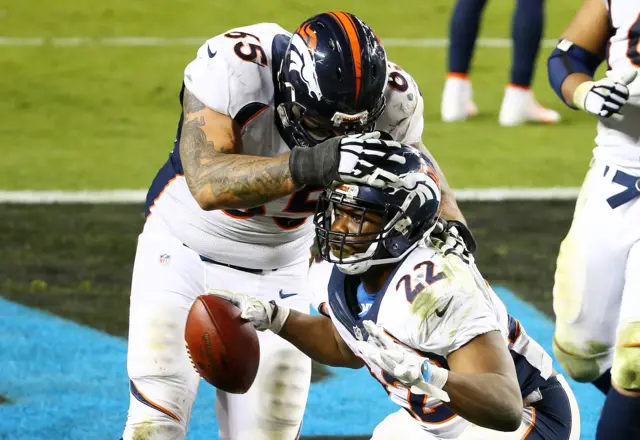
x: 223, y: 348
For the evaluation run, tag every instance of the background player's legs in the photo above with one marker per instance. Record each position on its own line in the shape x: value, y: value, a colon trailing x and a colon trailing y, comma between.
x: 166, y: 279
x: 400, y: 425
x: 589, y: 280
x: 273, y: 408
x: 463, y: 30
x: 519, y: 105
x: 619, y: 417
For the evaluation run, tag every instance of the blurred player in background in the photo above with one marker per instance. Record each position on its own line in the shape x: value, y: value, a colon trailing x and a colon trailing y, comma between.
x: 597, y: 281
x: 438, y: 339
x: 518, y: 105
x: 260, y: 135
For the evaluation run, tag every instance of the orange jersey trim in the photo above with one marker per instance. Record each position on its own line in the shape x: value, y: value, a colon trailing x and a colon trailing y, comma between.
x: 162, y: 192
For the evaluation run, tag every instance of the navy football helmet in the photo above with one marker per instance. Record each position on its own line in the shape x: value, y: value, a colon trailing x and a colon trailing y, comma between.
x: 409, y: 212
x: 331, y: 80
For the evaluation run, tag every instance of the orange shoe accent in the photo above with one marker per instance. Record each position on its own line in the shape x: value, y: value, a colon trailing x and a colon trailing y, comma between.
x: 458, y: 75
x: 518, y: 86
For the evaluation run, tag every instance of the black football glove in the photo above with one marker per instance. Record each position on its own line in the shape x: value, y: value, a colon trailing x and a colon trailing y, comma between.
x: 360, y: 159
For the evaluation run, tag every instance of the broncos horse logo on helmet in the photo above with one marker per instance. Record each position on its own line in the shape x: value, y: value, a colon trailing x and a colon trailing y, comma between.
x: 408, y: 213
x: 331, y: 80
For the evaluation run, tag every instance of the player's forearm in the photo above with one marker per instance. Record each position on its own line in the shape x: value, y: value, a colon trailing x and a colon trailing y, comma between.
x: 314, y: 336
x: 449, y: 206
x: 487, y: 399
x: 571, y: 83
x: 217, y: 177
x: 234, y: 181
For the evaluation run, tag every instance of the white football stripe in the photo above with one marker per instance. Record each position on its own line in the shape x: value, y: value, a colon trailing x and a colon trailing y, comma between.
x: 133, y: 41
x: 137, y: 196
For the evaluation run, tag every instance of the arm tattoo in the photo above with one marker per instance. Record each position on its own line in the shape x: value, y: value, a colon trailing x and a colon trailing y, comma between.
x: 191, y: 104
x: 234, y: 180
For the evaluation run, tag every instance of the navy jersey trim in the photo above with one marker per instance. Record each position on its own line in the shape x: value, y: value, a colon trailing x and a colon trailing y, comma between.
x: 340, y: 304
x: 248, y: 112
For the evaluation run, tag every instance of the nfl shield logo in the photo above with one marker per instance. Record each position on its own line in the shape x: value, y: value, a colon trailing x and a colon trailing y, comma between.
x: 164, y: 259
x: 358, y: 333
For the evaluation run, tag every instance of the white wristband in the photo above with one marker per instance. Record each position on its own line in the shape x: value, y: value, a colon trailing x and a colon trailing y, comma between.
x: 438, y: 377
x: 278, y: 321
x: 580, y: 94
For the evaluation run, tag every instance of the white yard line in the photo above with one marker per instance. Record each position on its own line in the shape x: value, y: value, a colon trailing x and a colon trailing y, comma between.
x: 138, y: 195
x: 197, y: 41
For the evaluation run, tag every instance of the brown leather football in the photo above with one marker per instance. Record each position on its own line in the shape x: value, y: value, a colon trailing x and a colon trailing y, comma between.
x: 223, y: 347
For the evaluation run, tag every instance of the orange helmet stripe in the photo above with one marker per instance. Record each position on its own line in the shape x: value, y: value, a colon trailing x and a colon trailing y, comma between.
x: 350, y: 30
x: 308, y: 36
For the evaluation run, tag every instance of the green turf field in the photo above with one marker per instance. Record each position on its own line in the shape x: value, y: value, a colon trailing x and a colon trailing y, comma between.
x: 95, y: 117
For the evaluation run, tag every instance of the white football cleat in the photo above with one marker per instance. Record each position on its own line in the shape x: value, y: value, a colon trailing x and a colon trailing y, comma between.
x: 519, y: 106
x: 457, y: 98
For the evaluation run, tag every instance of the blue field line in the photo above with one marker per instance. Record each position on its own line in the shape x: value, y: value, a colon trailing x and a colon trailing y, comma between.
x: 68, y: 381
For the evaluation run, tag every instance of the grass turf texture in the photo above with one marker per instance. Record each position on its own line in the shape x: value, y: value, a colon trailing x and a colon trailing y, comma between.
x: 96, y: 117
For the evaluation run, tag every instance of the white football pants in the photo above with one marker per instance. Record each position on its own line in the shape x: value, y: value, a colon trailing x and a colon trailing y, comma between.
x: 167, y: 277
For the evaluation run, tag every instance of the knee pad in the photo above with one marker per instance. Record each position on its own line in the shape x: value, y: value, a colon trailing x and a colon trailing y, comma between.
x: 582, y: 365
x: 626, y: 359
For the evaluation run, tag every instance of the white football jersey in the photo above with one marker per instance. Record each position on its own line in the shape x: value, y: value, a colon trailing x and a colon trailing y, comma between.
x: 233, y: 74
x: 619, y: 142
x: 432, y: 304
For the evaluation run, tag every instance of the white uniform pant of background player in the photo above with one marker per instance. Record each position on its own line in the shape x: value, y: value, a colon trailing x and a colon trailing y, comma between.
x: 401, y: 426
x: 597, y: 281
x: 167, y: 277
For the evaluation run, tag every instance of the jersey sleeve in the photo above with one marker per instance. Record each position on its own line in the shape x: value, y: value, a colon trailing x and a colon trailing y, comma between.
x: 225, y: 82
x: 403, y: 115
x: 465, y: 318
x: 208, y: 80
x: 452, y: 310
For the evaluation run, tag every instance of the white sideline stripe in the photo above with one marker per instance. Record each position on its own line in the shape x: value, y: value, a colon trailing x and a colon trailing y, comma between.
x: 138, y: 196
x: 198, y: 41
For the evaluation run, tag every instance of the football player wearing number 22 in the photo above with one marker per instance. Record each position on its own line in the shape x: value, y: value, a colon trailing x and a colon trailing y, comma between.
x: 597, y: 281
x: 269, y: 118
x: 418, y: 314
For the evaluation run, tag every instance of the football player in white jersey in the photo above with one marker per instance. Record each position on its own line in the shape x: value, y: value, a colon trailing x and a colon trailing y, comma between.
x: 259, y: 137
x: 421, y: 318
x: 597, y: 281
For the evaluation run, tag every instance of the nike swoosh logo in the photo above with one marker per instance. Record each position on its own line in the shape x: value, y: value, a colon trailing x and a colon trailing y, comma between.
x: 286, y: 295
x: 440, y: 312
x: 211, y: 54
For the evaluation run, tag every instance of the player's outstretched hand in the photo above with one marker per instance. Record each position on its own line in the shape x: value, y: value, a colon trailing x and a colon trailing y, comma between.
x: 455, y: 235
x: 263, y: 315
x: 408, y: 367
x: 606, y: 97
x: 362, y: 159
